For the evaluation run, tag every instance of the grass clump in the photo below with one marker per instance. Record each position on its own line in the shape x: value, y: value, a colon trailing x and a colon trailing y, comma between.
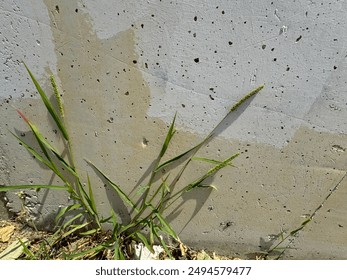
x: 82, y: 217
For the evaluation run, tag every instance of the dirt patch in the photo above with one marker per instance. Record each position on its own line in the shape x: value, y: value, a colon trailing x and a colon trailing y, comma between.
x: 39, y: 245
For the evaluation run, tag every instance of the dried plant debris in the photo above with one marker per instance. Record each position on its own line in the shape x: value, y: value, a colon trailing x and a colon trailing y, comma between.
x: 25, y: 242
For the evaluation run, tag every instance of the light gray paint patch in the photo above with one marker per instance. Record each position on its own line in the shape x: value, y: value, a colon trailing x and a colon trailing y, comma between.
x: 199, y: 57
x: 25, y: 36
x: 116, y: 16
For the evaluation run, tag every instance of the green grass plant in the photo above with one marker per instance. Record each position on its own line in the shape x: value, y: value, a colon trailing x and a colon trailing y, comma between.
x: 82, y: 217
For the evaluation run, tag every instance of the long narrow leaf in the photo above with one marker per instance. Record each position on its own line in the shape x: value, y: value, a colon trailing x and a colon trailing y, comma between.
x: 62, y: 160
x: 4, y: 188
x: 39, y: 138
x: 151, y: 233
x: 118, y: 253
x: 128, y: 226
x: 113, y: 219
x: 48, y: 105
x: 123, y: 196
x: 212, y: 161
x: 145, y: 242
x: 44, y: 145
x: 161, y: 241
x: 34, y: 153
x: 85, y: 199
x: 74, y: 218
x: 168, y: 138
x: 26, y: 249
x: 210, y: 173
x: 89, y: 232
x: 174, y: 159
x: 90, y: 252
x: 91, y: 196
x: 66, y: 209
x: 206, y: 186
x: 166, y: 226
x: 78, y: 227
x: 163, y: 187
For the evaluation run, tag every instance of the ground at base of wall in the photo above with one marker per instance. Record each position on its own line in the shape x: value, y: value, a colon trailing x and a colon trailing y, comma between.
x: 33, y: 244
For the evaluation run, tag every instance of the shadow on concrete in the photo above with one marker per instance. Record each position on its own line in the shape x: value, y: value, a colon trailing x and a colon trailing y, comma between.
x: 200, y: 196
x: 116, y: 202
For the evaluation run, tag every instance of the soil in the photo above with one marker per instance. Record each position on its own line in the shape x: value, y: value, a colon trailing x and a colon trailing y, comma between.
x: 37, y: 243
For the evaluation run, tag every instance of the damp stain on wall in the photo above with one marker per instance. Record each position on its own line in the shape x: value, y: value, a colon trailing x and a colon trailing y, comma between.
x: 106, y: 100
x: 110, y: 86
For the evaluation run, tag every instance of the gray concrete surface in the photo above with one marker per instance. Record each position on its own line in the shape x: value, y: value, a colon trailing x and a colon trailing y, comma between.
x: 4, y: 215
x: 125, y: 68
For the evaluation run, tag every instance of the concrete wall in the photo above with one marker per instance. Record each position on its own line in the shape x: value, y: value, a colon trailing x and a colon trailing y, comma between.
x: 125, y: 67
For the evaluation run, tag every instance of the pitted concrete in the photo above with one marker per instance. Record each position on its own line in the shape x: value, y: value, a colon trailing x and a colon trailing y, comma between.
x: 125, y: 68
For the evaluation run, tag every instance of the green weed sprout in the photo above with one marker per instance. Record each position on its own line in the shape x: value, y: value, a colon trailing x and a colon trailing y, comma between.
x: 82, y: 216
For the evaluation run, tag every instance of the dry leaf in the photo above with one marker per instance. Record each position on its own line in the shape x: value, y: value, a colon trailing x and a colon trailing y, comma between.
x: 202, y: 255
x: 5, y: 233
x: 14, y: 250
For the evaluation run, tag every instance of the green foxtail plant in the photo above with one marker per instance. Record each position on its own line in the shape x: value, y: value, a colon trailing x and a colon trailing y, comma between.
x: 82, y: 216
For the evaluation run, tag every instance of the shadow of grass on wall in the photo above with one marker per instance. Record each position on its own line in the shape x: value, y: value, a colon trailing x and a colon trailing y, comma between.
x: 147, y: 211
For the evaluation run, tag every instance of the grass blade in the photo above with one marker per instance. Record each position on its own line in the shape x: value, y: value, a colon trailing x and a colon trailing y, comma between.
x: 145, y: 242
x: 4, y: 188
x: 206, y: 186
x: 89, y: 232
x: 26, y: 249
x: 74, y: 218
x: 66, y: 209
x: 211, y: 172
x: 85, y: 199
x: 91, y: 196
x: 90, y: 252
x: 212, y: 161
x: 75, y: 228
x: 163, y: 187
x: 44, y: 145
x: 123, y: 196
x: 118, y: 253
x: 168, y: 138
x: 39, y: 138
x: 161, y: 241
x: 34, y: 153
x: 168, y: 162
x: 166, y: 226
x: 48, y: 105
x: 151, y: 234
x: 141, y: 190
x: 125, y: 228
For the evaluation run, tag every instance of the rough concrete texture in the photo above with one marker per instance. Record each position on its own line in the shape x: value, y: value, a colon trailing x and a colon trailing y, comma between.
x: 125, y: 68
